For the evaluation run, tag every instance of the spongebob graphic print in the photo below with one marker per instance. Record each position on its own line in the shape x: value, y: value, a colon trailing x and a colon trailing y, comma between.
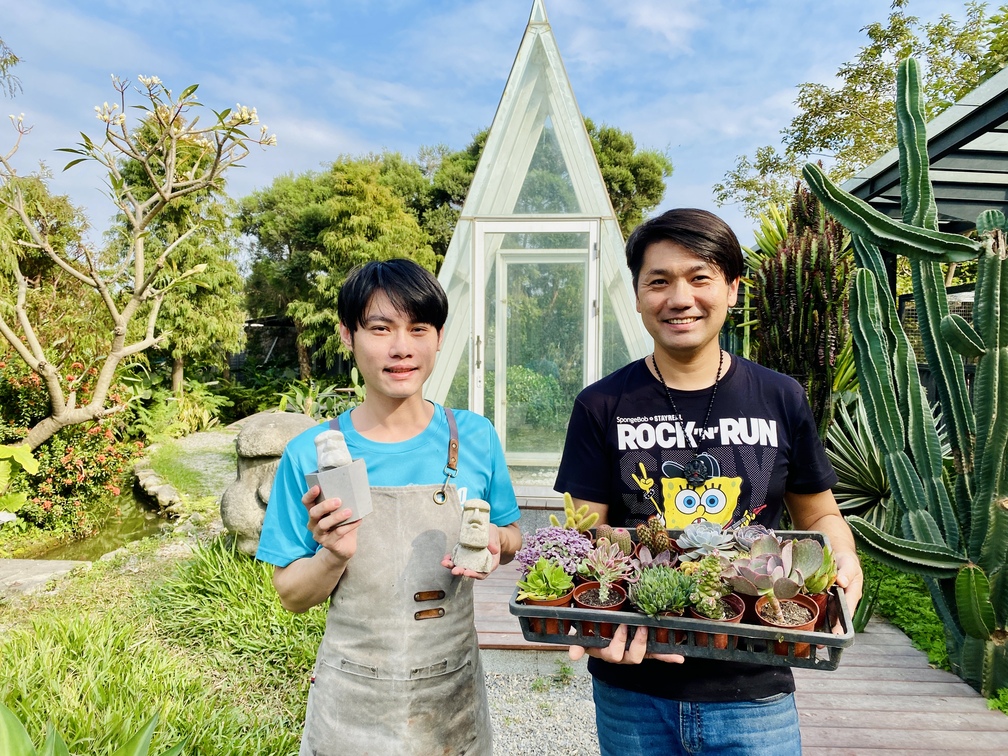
x: 624, y: 449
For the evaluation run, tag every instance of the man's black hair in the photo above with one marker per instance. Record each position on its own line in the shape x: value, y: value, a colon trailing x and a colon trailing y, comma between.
x: 702, y: 233
x: 412, y: 290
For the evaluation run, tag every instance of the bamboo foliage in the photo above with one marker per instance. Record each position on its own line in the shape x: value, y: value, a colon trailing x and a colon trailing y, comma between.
x: 954, y: 533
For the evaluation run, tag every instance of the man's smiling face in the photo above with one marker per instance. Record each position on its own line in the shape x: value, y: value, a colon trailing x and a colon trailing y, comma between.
x: 683, y: 299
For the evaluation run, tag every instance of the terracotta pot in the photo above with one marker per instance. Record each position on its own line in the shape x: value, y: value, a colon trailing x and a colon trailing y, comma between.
x: 820, y: 600
x: 721, y: 639
x: 617, y: 600
x: 662, y: 634
x: 550, y: 625
x: 801, y: 650
x: 749, y: 615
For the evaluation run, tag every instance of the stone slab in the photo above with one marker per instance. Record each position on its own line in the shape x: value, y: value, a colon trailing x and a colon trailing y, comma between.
x: 21, y: 576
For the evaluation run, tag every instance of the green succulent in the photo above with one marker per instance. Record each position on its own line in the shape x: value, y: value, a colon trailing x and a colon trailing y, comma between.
x: 575, y: 518
x: 710, y: 587
x: 661, y: 589
x: 545, y: 581
x: 654, y: 535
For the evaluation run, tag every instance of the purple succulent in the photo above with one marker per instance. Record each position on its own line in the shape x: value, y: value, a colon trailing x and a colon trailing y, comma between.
x: 746, y: 535
x: 564, y: 546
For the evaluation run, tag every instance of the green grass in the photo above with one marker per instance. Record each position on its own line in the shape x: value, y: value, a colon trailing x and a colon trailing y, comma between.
x: 904, y: 600
x: 169, y: 460
x: 206, y: 645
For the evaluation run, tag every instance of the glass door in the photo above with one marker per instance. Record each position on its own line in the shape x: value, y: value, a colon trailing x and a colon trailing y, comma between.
x: 538, y: 331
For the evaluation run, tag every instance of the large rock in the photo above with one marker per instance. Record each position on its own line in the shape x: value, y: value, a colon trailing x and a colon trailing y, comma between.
x: 260, y: 443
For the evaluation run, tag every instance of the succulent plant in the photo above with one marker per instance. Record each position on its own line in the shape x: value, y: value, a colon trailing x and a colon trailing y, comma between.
x: 774, y: 570
x: 622, y: 538
x: 646, y: 560
x: 654, y: 535
x: 700, y: 539
x: 604, y: 531
x: 577, y: 519
x: 606, y: 563
x: 545, y: 581
x: 661, y: 588
x: 565, y: 546
x: 824, y: 577
x: 745, y: 535
x: 710, y: 588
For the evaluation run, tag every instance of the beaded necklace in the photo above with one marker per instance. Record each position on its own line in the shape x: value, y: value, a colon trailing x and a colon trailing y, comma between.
x: 697, y: 469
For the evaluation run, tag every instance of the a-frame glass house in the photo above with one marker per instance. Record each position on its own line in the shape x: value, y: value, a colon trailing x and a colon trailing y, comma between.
x: 541, y: 302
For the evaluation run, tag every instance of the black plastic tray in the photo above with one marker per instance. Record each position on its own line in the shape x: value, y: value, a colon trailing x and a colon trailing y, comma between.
x: 756, y: 644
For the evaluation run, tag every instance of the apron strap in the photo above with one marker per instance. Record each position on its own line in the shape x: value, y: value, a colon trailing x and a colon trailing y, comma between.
x: 451, y: 467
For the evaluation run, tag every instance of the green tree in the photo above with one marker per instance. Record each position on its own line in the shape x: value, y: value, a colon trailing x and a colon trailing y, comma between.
x: 9, y: 83
x: 312, y: 230
x: 634, y: 178
x: 130, y: 287
x: 202, y: 314
x: 852, y: 123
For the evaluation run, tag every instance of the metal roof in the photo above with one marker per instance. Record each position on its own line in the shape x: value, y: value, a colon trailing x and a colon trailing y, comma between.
x: 968, y: 154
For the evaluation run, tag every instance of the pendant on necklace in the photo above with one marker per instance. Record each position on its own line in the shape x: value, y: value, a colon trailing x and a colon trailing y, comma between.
x: 696, y: 471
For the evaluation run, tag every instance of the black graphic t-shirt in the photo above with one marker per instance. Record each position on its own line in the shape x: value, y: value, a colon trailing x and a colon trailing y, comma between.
x: 625, y: 449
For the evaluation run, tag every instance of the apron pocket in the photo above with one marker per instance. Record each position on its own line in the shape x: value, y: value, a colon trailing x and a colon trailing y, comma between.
x: 357, y: 714
x: 361, y: 670
x: 433, y: 670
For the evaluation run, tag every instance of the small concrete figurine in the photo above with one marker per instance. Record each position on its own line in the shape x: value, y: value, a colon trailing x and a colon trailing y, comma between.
x: 471, y: 551
x: 331, y: 450
x: 339, y: 476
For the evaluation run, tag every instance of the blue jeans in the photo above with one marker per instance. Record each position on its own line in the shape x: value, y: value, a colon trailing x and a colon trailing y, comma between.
x: 636, y: 724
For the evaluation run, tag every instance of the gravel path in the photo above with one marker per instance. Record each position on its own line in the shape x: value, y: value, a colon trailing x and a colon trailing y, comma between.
x: 541, y: 715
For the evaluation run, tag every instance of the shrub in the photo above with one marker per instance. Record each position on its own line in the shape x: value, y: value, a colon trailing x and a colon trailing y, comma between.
x: 80, y: 468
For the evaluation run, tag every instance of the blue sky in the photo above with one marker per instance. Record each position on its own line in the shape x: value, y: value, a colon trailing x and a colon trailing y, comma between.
x: 705, y: 80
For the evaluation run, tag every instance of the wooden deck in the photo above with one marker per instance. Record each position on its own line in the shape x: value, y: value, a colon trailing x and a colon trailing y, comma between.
x: 883, y: 699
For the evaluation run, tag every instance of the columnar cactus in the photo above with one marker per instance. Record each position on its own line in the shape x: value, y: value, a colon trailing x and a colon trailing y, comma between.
x: 800, y: 297
x: 957, y: 536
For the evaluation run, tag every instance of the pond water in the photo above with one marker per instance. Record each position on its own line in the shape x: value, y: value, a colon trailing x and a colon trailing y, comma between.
x: 128, y: 521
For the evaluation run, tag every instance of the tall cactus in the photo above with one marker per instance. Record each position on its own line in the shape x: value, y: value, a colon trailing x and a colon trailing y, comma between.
x: 800, y: 293
x: 954, y: 533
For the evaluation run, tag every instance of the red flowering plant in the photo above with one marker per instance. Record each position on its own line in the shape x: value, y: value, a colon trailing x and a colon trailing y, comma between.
x: 80, y: 468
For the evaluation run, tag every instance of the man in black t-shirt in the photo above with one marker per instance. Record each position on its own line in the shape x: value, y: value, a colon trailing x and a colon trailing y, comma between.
x: 693, y: 433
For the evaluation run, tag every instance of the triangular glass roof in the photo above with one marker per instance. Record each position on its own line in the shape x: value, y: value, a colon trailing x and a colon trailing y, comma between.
x: 537, y: 199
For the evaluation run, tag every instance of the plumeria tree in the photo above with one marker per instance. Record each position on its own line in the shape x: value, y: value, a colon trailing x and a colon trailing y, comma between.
x: 134, y: 283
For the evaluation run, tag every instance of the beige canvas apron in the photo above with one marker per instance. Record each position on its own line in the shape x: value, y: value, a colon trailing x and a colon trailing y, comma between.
x: 398, y: 671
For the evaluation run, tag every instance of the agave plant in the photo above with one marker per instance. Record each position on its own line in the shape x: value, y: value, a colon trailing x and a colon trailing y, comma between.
x: 862, y: 485
x: 774, y: 570
x: 662, y: 588
x: 700, y: 539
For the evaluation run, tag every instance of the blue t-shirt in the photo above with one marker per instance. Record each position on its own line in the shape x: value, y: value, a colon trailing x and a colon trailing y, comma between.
x: 418, y: 461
